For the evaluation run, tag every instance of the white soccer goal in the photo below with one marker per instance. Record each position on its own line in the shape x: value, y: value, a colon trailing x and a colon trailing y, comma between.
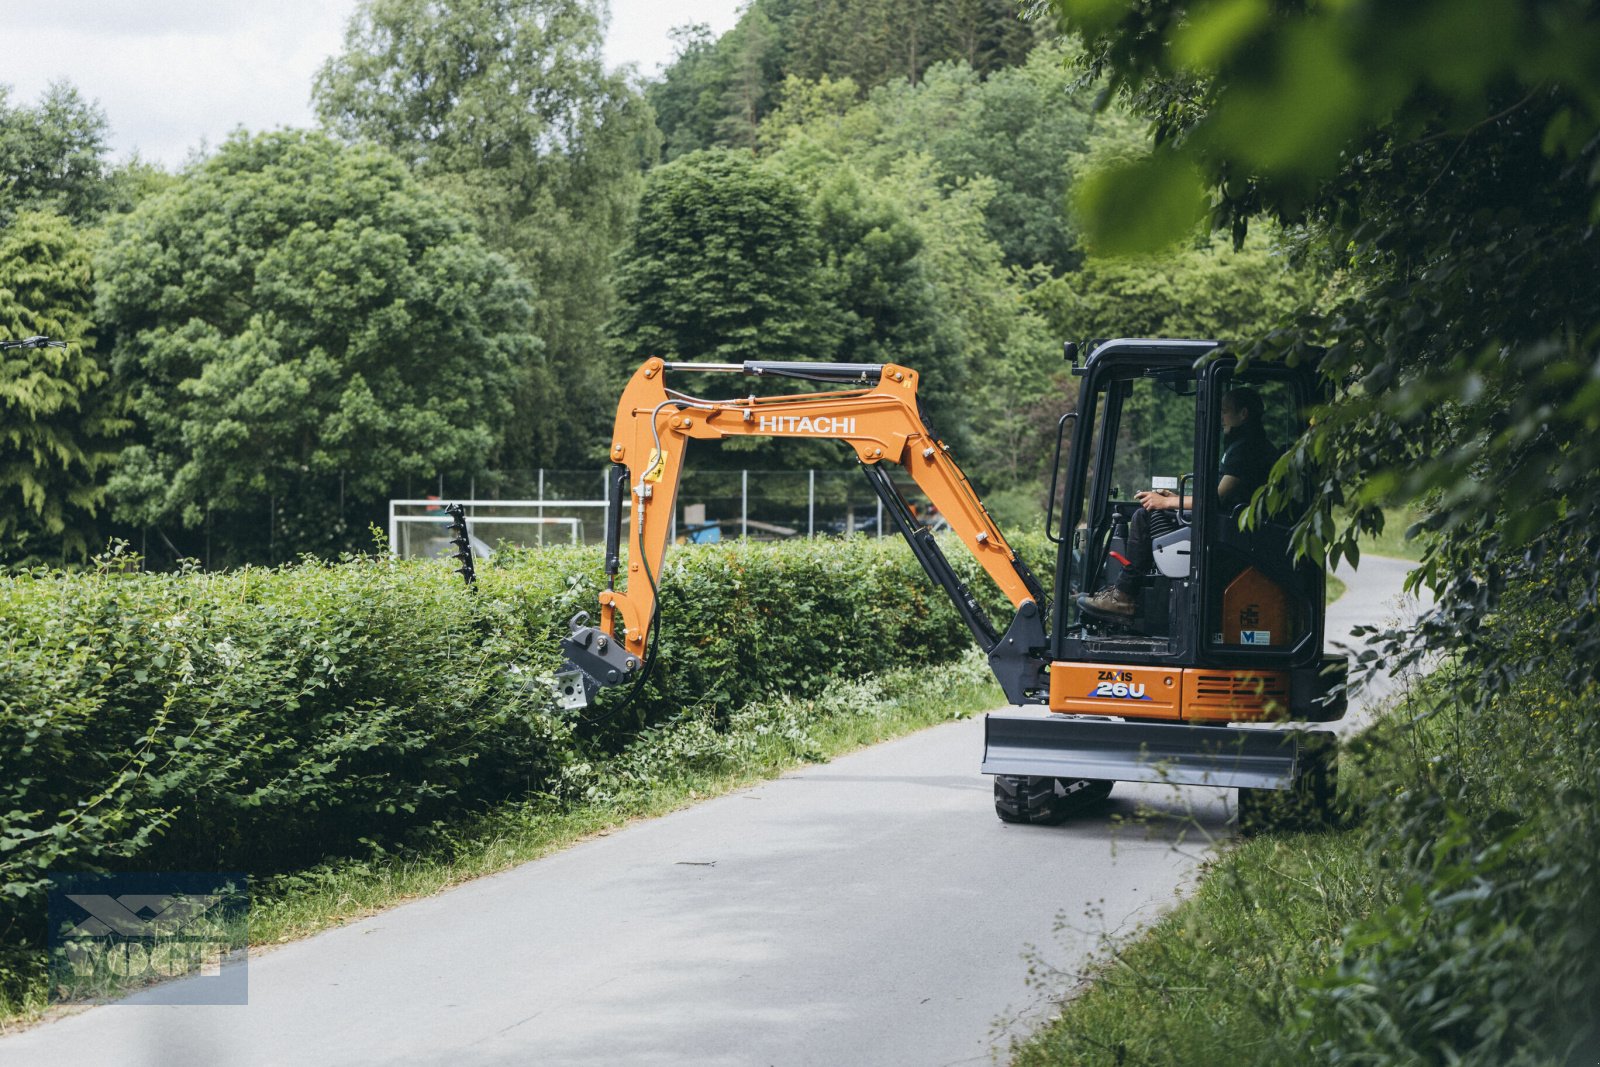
x: 420, y: 529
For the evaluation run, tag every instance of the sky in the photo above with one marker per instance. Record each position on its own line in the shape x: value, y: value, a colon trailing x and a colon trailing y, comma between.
x: 175, y: 75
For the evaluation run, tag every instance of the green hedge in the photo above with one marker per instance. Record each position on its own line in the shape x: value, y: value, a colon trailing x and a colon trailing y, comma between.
x: 260, y: 720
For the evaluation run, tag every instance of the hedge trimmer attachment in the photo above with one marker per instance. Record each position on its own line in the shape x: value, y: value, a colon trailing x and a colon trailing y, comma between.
x: 458, y: 537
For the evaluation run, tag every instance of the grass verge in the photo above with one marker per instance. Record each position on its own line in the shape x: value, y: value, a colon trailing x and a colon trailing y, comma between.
x: 1213, y: 981
x: 679, y: 763
x: 1451, y: 922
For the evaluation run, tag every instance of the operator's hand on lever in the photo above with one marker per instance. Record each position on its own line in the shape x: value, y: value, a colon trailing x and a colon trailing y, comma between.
x: 1157, y: 499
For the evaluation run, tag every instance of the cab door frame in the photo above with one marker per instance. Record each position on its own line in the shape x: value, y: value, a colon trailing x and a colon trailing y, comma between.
x: 1108, y: 361
x: 1306, y: 578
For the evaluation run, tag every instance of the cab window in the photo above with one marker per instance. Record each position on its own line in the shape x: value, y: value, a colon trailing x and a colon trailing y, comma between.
x: 1256, y: 596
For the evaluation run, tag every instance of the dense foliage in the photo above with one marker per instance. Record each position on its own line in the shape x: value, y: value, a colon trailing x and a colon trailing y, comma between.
x: 1443, y: 157
x: 1025, y: 130
x: 548, y: 165
x: 1213, y: 290
x: 1482, y: 836
x: 1458, y: 187
x: 301, y: 323
x: 58, y: 416
x: 1454, y: 921
x: 262, y: 719
x: 722, y: 266
x: 52, y: 155
x: 719, y: 90
x: 899, y: 191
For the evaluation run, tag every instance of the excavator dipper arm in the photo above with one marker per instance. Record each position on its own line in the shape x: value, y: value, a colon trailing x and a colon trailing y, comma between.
x: 880, y: 419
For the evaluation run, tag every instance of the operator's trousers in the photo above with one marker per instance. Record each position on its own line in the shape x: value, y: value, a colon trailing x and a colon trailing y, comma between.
x: 1142, y: 529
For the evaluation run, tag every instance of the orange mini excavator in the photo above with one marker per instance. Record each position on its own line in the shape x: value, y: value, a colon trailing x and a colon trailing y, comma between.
x: 1212, y: 678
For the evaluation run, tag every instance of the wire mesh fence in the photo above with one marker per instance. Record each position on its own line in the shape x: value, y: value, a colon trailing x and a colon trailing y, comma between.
x: 549, y: 506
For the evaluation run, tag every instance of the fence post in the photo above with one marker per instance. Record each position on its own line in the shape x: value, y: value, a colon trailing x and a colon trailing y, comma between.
x: 811, y: 504
x: 744, y: 503
x: 541, y: 507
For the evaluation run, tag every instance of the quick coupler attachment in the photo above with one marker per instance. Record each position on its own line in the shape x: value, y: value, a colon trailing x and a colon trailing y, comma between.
x: 574, y: 689
x: 594, y: 659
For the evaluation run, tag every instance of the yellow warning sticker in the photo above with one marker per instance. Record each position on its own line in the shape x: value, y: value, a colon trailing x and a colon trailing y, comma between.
x: 658, y: 466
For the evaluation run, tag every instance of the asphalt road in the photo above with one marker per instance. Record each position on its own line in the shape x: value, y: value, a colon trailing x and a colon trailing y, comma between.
x: 868, y: 911
x: 1372, y: 598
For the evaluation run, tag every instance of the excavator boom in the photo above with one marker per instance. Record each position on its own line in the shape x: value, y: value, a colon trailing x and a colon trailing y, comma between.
x: 879, y: 417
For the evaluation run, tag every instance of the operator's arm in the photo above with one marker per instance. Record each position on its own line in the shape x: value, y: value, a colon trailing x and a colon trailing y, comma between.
x: 1232, y: 489
x: 1161, y: 500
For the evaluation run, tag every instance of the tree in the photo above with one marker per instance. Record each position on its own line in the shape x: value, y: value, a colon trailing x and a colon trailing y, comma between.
x: 988, y: 358
x: 683, y: 96
x: 873, y: 274
x: 481, y: 85
x: 1007, y: 356
x: 508, y: 105
x: 749, y: 53
x: 794, y: 257
x: 876, y: 42
x: 53, y: 155
x: 297, y: 323
x: 59, y: 419
x: 717, y: 91
x: 986, y: 35
x: 1029, y: 129
x: 722, y: 266
x: 133, y: 180
x: 1213, y: 291
x: 1457, y: 185
x: 1446, y: 154
x: 877, y: 280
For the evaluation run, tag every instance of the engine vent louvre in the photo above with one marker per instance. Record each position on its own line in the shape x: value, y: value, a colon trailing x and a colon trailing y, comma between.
x: 1241, y: 686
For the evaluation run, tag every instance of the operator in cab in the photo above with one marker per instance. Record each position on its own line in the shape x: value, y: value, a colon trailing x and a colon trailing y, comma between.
x: 1247, y: 459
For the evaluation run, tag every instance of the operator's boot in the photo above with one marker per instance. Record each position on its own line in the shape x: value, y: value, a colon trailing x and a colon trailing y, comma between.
x: 1109, y: 603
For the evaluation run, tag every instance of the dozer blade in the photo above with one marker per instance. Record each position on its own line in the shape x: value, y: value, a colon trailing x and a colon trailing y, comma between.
x: 1060, y: 746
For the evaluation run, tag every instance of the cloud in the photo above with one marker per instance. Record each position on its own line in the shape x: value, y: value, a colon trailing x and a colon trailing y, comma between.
x: 148, y: 18
x: 639, y: 28
x: 182, y: 72
x: 171, y: 74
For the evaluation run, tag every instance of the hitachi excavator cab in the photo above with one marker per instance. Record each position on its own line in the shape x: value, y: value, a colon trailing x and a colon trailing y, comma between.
x: 1150, y: 427
x: 1225, y: 626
